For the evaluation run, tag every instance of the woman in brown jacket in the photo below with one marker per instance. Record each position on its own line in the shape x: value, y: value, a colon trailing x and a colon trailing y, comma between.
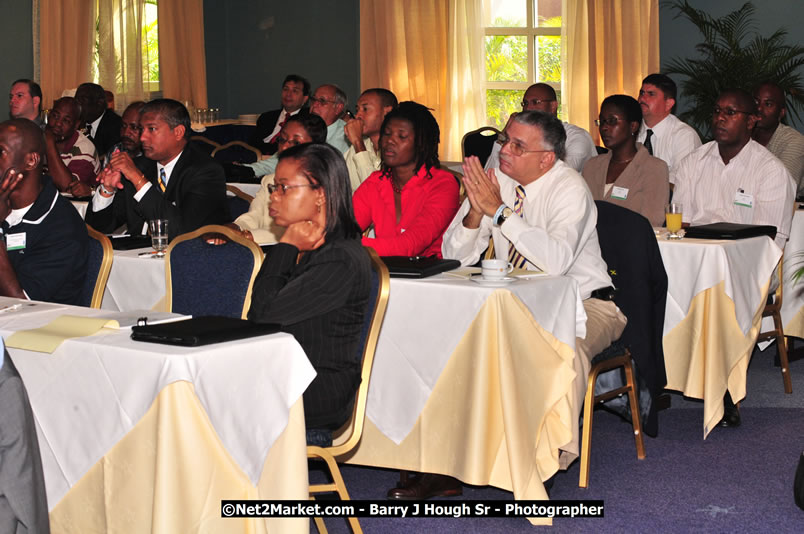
x: 627, y: 175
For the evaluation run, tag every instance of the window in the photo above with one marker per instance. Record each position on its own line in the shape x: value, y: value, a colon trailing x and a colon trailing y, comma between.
x: 523, y: 47
x: 123, y: 28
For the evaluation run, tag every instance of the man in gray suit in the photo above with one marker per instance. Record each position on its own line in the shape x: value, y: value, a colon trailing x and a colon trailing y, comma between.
x: 23, y: 503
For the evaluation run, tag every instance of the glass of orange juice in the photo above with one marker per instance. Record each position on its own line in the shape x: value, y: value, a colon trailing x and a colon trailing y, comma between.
x: 672, y: 216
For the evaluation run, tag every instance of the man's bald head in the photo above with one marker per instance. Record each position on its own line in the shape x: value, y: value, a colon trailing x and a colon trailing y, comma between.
x: 28, y: 136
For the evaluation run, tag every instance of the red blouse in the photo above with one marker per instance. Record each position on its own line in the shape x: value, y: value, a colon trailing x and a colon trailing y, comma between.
x: 428, y: 206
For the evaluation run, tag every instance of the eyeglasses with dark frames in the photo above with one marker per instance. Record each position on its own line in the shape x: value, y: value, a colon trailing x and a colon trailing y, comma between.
x: 283, y: 189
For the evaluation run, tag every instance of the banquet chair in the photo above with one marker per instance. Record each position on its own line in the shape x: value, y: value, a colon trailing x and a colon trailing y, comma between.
x: 347, y: 438
x: 774, y: 309
x: 629, y: 248
x: 613, y: 357
x: 479, y: 143
x: 99, y: 264
x: 239, y: 201
x: 207, y: 145
x: 191, y: 286
x: 236, y: 151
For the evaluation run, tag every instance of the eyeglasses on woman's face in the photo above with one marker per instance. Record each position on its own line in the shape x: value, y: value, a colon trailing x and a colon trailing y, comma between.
x: 283, y: 188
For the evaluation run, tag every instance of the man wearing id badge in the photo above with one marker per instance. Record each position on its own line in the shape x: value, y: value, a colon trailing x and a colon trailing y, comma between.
x: 733, y: 178
x: 46, y: 242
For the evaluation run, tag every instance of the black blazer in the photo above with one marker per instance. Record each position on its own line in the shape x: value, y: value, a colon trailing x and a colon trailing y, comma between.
x: 195, y: 196
x: 630, y: 250
x: 322, y: 301
x: 265, y: 125
x: 108, y: 133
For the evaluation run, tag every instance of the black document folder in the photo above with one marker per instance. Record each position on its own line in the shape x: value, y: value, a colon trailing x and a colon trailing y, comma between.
x: 201, y: 331
x: 724, y: 230
x: 130, y: 242
x: 417, y: 266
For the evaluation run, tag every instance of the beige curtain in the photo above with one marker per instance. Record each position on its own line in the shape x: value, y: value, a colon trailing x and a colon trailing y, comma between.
x: 120, y: 61
x: 427, y: 51
x: 66, y: 38
x: 610, y: 47
x: 182, y: 61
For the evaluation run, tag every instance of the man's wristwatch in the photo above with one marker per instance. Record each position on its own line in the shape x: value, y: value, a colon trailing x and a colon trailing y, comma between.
x: 106, y: 192
x: 503, y: 212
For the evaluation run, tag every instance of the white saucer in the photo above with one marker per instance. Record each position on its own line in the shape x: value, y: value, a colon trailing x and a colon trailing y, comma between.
x: 500, y: 282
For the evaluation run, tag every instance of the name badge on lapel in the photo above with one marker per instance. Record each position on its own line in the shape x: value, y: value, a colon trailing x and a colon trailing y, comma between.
x: 15, y: 241
x: 741, y: 198
x: 620, y: 193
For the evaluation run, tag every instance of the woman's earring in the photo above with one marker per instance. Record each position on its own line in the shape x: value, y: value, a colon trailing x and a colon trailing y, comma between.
x: 318, y: 207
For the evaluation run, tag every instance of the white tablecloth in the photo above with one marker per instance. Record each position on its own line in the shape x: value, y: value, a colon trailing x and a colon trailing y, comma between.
x: 694, y: 265
x: 91, y: 392
x: 423, y: 324
x: 135, y: 283
x: 793, y: 294
x: 249, y: 189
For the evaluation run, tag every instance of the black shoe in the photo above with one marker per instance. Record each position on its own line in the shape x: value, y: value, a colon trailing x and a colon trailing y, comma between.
x: 731, y: 414
x: 425, y: 486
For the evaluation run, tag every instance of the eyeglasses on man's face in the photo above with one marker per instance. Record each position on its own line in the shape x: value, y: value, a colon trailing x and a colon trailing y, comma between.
x: 516, y: 148
x: 729, y: 112
x: 533, y: 102
x: 283, y: 189
x: 321, y: 101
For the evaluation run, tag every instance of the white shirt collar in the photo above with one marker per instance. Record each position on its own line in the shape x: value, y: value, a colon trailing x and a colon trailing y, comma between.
x: 16, y: 216
x: 168, y: 168
x: 95, y: 124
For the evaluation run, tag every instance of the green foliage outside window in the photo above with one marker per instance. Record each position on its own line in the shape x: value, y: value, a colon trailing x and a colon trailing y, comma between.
x: 507, y: 61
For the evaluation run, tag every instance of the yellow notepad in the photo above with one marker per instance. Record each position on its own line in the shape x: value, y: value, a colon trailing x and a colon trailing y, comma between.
x: 48, y: 338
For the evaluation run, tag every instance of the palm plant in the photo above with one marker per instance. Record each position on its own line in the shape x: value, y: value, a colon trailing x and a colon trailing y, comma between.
x: 733, y: 55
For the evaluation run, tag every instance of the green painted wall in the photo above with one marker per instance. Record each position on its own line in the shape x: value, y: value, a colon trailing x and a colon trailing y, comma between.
x: 16, y: 36
x: 251, y: 46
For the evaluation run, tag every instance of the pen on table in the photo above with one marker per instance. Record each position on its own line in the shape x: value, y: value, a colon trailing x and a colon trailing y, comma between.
x: 149, y: 253
x: 10, y: 307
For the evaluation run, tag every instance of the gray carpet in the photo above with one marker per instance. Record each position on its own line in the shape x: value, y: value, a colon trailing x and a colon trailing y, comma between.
x: 737, y: 480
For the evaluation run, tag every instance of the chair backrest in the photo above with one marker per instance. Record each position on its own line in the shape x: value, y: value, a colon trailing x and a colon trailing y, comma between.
x: 479, y: 143
x: 372, y: 322
x: 207, y: 145
x: 99, y: 264
x: 211, y: 279
x: 236, y: 151
x: 239, y: 201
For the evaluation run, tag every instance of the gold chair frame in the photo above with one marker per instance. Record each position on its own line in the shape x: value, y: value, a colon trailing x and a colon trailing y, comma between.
x: 239, y: 193
x: 202, y: 139
x: 241, y: 144
x: 229, y: 234
x: 348, y: 436
x: 105, y: 267
x: 774, y: 309
x: 630, y: 387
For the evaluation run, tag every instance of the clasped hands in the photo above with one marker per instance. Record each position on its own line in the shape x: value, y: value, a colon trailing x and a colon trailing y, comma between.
x: 482, y: 190
x: 121, y: 166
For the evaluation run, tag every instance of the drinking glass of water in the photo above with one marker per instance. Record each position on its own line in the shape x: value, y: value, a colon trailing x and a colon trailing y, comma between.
x: 159, y: 236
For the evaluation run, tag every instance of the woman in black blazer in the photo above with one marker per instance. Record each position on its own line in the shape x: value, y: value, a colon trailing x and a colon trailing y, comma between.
x: 315, y: 282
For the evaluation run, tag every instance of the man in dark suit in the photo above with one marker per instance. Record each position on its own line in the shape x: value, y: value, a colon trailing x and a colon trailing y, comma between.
x: 174, y: 180
x: 102, y: 124
x: 23, y: 502
x: 295, y: 93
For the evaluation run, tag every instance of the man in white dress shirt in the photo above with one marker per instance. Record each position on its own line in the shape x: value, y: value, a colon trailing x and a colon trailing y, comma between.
x: 540, y: 211
x: 579, y: 145
x: 662, y: 133
x: 363, y: 133
x: 734, y: 178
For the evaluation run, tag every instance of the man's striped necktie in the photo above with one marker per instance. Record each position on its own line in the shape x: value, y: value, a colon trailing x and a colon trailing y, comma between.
x: 162, y: 179
x: 517, y: 259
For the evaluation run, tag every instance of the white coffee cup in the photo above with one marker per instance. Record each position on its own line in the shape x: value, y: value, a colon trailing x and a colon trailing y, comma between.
x: 495, y: 269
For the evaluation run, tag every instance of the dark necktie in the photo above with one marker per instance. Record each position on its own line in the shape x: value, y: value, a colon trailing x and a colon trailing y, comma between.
x: 647, y: 142
x: 89, y: 131
x: 275, y: 139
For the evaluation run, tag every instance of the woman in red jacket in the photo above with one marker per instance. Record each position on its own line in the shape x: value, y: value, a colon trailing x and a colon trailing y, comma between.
x: 410, y: 201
